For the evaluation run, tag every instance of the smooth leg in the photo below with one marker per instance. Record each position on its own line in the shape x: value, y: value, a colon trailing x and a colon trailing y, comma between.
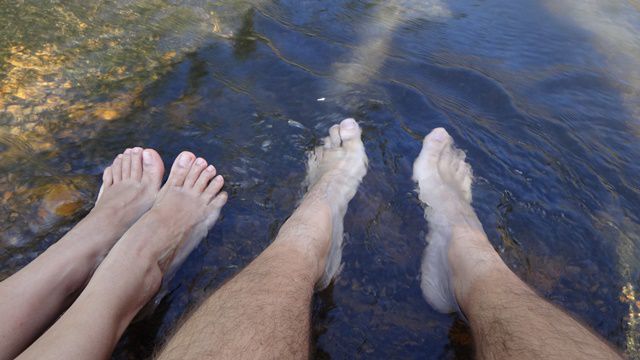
x: 131, y: 274
x: 461, y: 271
x: 34, y: 297
x: 264, y: 312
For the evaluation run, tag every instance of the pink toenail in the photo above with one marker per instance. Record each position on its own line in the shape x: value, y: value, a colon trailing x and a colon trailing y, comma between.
x: 136, y: 150
x: 184, y: 160
x: 210, y: 168
x: 200, y: 161
x: 147, y: 157
x: 128, y: 151
x: 119, y: 156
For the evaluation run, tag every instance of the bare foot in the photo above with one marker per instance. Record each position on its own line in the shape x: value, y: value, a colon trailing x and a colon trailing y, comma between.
x: 129, y: 188
x: 335, y: 171
x: 185, y: 209
x: 33, y: 298
x: 458, y: 250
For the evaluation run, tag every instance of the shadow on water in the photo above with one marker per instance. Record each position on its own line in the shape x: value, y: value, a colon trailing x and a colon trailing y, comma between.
x: 550, y: 141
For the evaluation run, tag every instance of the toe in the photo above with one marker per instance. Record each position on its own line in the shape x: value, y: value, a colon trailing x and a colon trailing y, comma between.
x: 107, y: 177
x: 326, y: 142
x: 435, y: 144
x: 334, y: 136
x: 204, y: 178
x: 180, y: 168
x: 465, y: 182
x: 433, y: 147
x: 437, y: 139
x: 195, y: 171
x: 213, y: 188
x: 136, y: 163
x: 219, y: 200
x: 152, y: 168
x: 107, y: 180
x: 462, y: 168
x: 350, y: 133
x: 116, y: 169
x: 126, y: 164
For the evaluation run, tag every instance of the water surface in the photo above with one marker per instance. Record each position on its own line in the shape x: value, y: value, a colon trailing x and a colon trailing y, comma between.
x: 542, y: 95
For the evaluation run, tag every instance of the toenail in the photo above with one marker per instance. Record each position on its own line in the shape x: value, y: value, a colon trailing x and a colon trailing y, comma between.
x: 119, y: 156
x: 147, y: 157
x: 210, y: 168
x: 349, y: 123
x: 200, y: 161
x: 184, y: 160
x: 128, y: 151
x: 439, y: 135
x: 136, y: 150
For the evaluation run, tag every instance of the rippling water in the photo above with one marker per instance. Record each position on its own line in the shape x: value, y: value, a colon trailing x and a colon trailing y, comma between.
x: 543, y: 96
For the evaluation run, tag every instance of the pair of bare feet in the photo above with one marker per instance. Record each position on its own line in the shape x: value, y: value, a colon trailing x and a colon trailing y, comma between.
x: 190, y: 203
x: 139, y: 232
x: 184, y: 208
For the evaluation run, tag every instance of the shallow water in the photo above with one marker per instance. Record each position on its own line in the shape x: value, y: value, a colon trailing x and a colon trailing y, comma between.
x: 543, y: 96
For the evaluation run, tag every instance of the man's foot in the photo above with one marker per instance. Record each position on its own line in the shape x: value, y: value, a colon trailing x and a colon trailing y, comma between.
x: 185, y: 209
x: 334, y: 172
x: 458, y: 250
x: 129, y: 188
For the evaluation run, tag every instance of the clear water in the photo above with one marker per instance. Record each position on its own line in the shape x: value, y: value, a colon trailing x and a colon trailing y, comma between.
x: 543, y: 96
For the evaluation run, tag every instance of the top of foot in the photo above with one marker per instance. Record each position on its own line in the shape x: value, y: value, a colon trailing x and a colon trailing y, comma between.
x: 129, y: 188
x: 185, y: 208
x: 457, y: 245
x: 335, y: 171
x: 190, y: 202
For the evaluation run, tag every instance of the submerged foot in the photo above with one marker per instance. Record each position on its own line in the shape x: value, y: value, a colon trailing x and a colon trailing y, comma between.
x: 129, y: 188
x: 186, y: 207
x: 335, y: 171
x: 458, y: 250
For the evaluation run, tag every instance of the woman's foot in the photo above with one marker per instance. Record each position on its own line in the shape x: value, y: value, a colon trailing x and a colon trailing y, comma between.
x: 186, y: 207
x: 335, y: 171
x: 184, y: 210
x: 458, y: 251
x: 129, y: 188
x: 43, y: 289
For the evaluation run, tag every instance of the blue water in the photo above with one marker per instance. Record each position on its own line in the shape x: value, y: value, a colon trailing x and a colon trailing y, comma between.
x: 542, y: 98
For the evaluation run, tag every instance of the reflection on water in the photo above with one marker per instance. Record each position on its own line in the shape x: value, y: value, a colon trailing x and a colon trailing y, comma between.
x: 543, y: 97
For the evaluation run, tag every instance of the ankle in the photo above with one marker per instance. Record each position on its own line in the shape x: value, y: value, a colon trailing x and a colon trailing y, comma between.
x: 129, y: 277
x: 473, y: 261
x: 470, y: 288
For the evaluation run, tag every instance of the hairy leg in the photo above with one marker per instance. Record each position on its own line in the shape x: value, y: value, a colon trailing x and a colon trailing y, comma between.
x: 34, y: 297
x: 461, y: 271
x: 183, y: 211
x: 264, y: 311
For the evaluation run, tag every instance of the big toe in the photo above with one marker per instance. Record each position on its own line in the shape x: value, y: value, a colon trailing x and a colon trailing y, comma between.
x: 350, y: 133
x: 435, y: 144
x: 152, y: 168
x: 180, y: 168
